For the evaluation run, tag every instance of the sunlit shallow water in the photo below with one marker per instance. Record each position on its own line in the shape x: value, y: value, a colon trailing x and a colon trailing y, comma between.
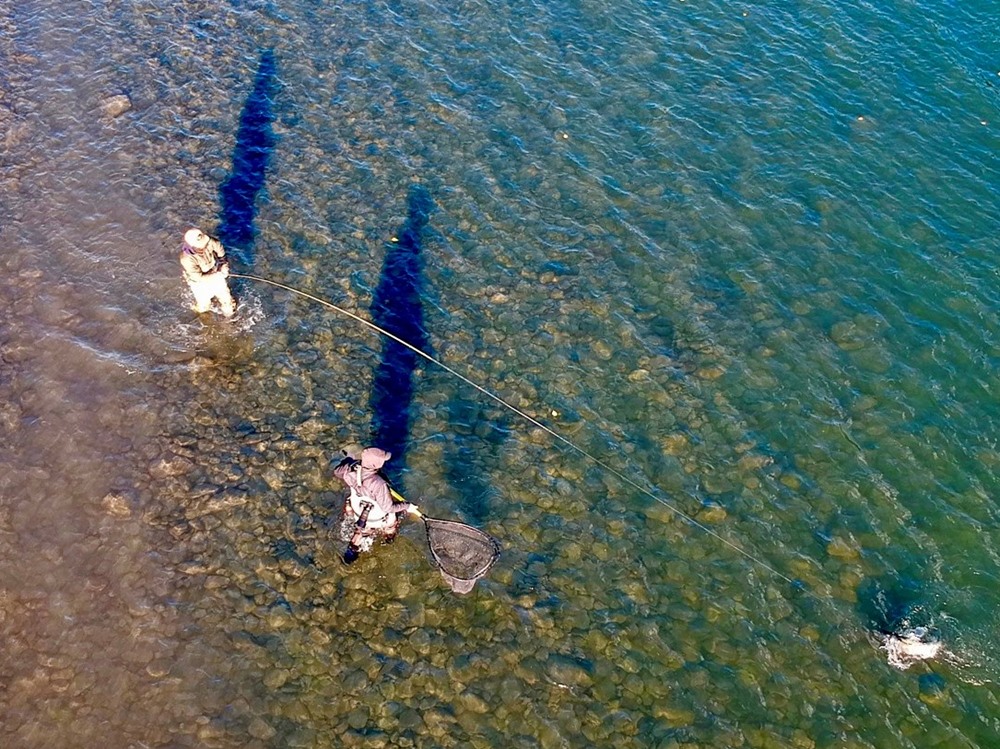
x: 744, y: 255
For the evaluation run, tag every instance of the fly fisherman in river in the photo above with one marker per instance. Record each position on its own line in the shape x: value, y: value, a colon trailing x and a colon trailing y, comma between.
x: 370, y: 505
x: 206, y: 270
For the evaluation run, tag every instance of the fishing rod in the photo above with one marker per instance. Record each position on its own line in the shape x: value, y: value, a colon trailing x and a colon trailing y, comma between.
x: 568, y: 443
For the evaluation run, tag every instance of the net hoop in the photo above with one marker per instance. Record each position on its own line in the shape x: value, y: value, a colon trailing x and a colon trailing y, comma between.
x: 488, y: 548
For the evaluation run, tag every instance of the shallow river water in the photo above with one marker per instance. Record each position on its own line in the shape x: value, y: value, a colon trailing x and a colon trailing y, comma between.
x: 743, y: 255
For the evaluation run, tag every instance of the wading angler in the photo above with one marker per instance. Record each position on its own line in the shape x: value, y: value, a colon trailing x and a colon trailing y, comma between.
x: 206, y: 271
x: 370, y: 504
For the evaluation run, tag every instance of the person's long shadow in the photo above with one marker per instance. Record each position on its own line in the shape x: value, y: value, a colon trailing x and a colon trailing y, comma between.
x: 254, y: 143
x: 396, y: 307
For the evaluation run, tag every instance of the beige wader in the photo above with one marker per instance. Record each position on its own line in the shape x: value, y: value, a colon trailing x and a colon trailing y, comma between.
x: 206, y: 271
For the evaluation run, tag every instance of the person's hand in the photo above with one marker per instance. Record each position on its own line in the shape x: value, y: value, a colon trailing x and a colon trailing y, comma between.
x: 224, y: 269
x: 414, y: 510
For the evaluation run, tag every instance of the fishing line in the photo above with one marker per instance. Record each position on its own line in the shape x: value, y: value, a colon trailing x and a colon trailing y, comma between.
x: 590, y: 456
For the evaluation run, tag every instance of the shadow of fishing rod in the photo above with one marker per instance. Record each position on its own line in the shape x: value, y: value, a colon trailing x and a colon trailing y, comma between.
x: 255, y: 141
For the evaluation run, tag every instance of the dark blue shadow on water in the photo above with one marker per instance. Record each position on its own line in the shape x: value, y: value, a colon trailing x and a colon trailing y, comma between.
x: 397, y: 308
x: 254, y: 143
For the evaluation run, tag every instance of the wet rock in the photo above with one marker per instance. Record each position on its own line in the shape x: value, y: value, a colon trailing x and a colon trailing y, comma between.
x: 712, y: 513
x: 410, y: 720
x: 158, y: 668
x: 801, y: 740
x: 568, y: 671
x: 355, y: 680
x: 844, y: 550
x: 276, y: 678
x: 847, y: 335
x: 166, y: 467
x: 710, y: 373
x: 605, y: 690
x: 209, y: 731
x: 420, y: 641
x: 116, y: 106
x: 677, y: 716
x: 675, y: 444
x: 261, y: 729
x: 224, y: 502
x: 933, y: 690
x: 549, y: 737
x: 274, y: 478
x: 439, y: 723
x: 754, y: 461
x: 358, y: 717
x: 214, y: 582
x: 791, y: 481
x: 602, y: 350
x: 715, y: 483
x: 117, y: 505
x: 472, y: 702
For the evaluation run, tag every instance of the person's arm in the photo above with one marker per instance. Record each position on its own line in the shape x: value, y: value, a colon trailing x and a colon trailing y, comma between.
x: 191, y: 267
x: 382, y: 494
x: 378, y: 489
x: 223, y: 264
x: 410, y: 507
x: 216, y: 248
x: 403, y: 507
x: 344, y: 467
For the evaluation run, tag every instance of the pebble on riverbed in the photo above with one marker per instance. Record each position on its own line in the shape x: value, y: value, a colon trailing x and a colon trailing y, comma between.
x: 116, y: 504
x: 115, y: 106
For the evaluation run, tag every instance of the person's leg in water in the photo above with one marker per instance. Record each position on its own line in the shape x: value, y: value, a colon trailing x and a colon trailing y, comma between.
x: 348, y: 520
x: 225, y: 297
x: 353, y: 550
x: 203, y: 294
x: 360, y: 542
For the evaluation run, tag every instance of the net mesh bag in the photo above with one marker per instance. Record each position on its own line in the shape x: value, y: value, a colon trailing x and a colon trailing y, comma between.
x: 462, y: 553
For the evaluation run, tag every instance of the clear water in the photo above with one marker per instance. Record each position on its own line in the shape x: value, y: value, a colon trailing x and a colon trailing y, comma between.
x: 743, y: 253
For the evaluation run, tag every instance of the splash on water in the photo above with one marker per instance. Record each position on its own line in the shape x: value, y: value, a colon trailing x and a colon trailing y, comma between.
x: 347, y: 526
x: 910, y: 646
x: 189, y: 331
x: 249, y: 312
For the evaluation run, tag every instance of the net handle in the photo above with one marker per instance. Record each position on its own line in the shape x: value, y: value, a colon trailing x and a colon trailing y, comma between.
x: 400, y: 498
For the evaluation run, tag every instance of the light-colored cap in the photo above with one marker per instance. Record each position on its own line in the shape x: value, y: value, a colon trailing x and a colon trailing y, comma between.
x: 196, y: 238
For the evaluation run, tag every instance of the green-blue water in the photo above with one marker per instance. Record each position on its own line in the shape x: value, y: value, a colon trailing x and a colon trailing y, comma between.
x: 743, y: 253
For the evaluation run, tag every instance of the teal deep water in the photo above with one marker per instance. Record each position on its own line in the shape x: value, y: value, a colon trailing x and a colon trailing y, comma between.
x: 744, y: 253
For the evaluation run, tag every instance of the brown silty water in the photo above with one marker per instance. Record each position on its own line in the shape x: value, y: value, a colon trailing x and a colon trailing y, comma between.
x: 93, y: 322
x: 147, y: 478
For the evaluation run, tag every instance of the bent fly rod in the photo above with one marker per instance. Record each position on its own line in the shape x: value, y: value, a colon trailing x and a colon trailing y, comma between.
x: 568, y: 443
